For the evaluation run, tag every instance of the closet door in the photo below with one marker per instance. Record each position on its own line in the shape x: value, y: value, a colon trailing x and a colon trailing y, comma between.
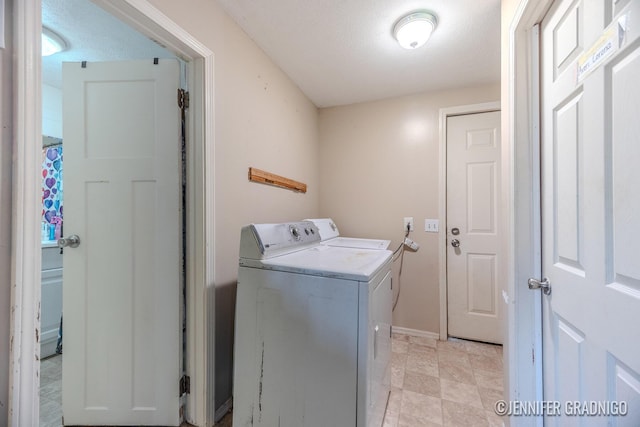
x: 121, y: 298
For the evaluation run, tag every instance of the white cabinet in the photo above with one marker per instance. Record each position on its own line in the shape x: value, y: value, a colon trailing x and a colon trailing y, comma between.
x: 51, y: 300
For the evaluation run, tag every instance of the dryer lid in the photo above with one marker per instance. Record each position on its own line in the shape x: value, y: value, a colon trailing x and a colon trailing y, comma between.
x: 354, y: 242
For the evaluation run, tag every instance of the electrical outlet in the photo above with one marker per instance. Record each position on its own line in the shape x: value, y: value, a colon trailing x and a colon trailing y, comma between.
x: 408, y: 220
x: 431, y: 225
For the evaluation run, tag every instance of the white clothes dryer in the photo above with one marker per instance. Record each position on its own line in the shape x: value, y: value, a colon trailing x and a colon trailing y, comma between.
x: 330, y: 235
x: 313, y: 330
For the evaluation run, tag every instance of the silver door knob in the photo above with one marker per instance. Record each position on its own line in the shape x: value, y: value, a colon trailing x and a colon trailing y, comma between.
x: 543, y: 284
x: 455, y: 243
x: 72, y: 241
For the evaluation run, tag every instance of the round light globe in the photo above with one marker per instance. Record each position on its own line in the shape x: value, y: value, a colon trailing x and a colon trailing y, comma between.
x: 413, y: 30
x: 51, y: 42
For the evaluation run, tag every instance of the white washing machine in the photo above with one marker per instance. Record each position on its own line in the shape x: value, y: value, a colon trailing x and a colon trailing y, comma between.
x: 330, y: 235
x: 313, y: 330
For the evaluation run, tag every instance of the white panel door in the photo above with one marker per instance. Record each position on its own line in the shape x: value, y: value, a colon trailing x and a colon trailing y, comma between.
x: 473, y: 186
x: 591, y: 208
x: 122, y: 341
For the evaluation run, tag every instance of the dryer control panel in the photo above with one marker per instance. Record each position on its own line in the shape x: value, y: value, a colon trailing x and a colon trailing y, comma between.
x: 327, y: 228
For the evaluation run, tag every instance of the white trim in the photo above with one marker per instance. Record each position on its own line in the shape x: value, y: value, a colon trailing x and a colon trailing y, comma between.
x: 150, y: 21
x: 26, y: 210
x: 523, y: 349
x: 536, y: 194
x: 141, y: 15
x: 207, y: 302
x: 442, y: 199
x: 414, y: 332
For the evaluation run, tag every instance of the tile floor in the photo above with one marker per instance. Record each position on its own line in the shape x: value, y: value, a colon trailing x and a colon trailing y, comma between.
x: 433, y: 383
x: 51, y: 392
x: 443, y: 383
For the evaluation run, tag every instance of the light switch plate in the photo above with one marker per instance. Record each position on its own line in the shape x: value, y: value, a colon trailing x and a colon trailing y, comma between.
x: 431, y: 225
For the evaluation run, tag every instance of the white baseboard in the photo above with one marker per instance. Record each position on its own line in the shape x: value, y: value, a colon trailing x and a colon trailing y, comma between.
x: 415, y: 332
x: 223, y: 409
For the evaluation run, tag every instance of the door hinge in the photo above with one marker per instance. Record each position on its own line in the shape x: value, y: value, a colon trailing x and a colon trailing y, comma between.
x: 183, y: 99
x: 185, y: 385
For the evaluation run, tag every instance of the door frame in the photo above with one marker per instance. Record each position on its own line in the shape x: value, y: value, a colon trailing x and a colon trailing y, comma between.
x: 521, y: 198
x: 442, y: 238
x: 26, y: 205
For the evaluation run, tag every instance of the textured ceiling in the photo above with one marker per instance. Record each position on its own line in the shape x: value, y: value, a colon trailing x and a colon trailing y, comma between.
x: 337, y: 51
x: 342, y: 51
x: 92, y: 35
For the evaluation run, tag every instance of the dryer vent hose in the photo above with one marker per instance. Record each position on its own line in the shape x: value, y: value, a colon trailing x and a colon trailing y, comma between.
x: 399, y: 254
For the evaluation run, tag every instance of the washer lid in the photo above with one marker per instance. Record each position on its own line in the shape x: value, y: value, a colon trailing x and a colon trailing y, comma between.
x: 327, y: 261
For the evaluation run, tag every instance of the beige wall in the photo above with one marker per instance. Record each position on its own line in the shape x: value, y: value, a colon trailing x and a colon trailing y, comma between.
x: 6, y: 129
x: 379, y: 163
x: 263, y: 120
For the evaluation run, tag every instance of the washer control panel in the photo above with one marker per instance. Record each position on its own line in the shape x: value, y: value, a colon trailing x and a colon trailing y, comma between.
x: 298, y: 231
x: 267, y: 240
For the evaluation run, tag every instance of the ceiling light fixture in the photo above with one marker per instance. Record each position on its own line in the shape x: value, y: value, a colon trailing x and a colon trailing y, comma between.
x: 51, y: 42
x: 414, y: 29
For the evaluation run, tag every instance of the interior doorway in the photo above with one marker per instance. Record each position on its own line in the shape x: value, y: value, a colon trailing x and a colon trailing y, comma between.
x: 473, y: 189
x: 27, y: 210
x: 469, y: 200
x: 96, y: 37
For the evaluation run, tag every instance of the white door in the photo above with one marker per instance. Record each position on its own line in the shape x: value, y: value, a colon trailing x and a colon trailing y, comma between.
x: 122, y: 340
x: 591, y: 209
x: 473, y: 186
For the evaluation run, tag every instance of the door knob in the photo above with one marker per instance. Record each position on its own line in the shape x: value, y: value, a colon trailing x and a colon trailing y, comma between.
x: 543, y: 284
x: 455, y: 243
x: 72, y: 241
